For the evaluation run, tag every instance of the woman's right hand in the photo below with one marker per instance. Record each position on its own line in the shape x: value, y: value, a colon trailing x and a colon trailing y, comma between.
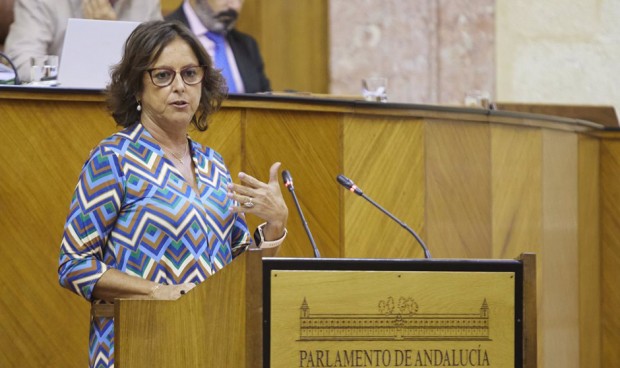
x: 114, y: 284
x: 170, y: 292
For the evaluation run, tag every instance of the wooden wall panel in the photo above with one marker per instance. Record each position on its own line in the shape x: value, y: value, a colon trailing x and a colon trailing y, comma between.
x: 293, y: 37
x: 458, y: 182
x: 224, y: 136
x: 558, y: 313
x: 308, y: 145
x: 589, y: 253
x: 391, y: 174
x: 168, y: 6
x: 516, y: 184
x: 610, y: 252
x: 43, y: 150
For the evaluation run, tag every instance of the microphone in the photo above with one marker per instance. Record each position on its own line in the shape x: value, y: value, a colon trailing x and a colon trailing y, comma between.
x: 16, y: 81
x: 288, y: 182
x: 350, y: 185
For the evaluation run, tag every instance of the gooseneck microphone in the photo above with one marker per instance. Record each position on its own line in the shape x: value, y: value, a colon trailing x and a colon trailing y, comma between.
x: 350, y: 185
x: 288, y: 182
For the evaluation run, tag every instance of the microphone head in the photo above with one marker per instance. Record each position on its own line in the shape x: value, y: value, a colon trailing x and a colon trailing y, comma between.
x: 349, y: 184
x: 344, y: 181
x: 287, y: 179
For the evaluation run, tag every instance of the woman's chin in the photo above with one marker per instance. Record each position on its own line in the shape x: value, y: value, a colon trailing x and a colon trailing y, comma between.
x: 180, y: 117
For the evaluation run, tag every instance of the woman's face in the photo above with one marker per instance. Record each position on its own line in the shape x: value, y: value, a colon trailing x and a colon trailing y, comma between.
x: 173, y: 105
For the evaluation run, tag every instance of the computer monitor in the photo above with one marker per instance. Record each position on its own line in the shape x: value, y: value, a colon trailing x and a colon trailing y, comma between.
x: 90, y: 49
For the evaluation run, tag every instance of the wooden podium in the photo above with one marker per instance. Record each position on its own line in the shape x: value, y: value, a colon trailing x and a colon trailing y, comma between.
x: 283, y: 312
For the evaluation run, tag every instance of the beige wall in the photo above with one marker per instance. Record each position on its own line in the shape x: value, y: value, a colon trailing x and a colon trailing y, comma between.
x: 558, y: 51
x: 432, y: 51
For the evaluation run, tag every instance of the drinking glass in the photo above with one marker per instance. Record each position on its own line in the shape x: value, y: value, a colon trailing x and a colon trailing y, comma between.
x: 374, y: 89
x: 43, y: 68
x: 477, y: 98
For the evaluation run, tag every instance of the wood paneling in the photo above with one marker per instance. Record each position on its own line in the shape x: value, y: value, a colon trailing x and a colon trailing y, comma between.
x: 605, y: 115
x: 516, y: 184
x: 558, y: 322
x: 610, y: 252
x: 168, y: 6
x: 308, y: 145
x: 224, y: 135
x: 44, y: 145
x: 225, y: 306
x: 589, y: 253
x: 458, y: 182
x: 385, y: 157
x: 293, y: 38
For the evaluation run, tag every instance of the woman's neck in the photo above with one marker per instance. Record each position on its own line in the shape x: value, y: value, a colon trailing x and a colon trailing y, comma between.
x: 171, y: 137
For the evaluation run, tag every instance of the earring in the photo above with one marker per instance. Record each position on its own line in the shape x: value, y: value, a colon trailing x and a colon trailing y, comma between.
x: 139, y: 107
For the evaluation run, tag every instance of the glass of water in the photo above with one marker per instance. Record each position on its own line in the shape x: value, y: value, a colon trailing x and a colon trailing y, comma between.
x: 43, y: 68
x: 374, y: 89
x: 478, y: 98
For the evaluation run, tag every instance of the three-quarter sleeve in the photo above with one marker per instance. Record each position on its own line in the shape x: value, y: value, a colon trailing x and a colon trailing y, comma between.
x: 240, y: 236
x: 95, y: 206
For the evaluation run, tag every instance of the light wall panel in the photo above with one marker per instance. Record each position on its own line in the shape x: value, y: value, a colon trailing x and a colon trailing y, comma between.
x: 516, y: 190
x: 558, y: 322
x: 458, y: 182
x: 589, y: 252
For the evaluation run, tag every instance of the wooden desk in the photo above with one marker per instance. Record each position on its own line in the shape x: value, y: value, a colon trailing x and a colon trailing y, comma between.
x: 473, y: 183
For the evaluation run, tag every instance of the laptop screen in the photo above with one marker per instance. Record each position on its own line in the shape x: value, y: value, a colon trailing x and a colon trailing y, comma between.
x: 90, y: 49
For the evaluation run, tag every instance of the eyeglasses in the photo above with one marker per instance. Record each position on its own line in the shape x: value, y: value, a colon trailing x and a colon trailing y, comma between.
x: 163, y: 77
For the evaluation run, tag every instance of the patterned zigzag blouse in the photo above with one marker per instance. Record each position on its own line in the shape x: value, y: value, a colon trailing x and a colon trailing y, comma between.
x: 132, y: 210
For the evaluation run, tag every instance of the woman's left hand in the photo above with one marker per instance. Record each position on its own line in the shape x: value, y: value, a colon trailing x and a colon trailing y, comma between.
x: 263, y: 200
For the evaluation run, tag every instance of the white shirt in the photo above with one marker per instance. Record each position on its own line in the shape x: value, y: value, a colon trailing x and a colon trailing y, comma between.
x: 199, y: 30
x: 39, y: 26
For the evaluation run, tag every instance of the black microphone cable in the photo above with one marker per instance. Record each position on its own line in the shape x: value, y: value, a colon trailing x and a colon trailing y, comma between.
x: 288, y: 182
x: 16, y: 81
x: 350, y: 185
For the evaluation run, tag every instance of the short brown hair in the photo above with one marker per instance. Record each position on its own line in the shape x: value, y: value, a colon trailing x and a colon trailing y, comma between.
x: 142, y: 48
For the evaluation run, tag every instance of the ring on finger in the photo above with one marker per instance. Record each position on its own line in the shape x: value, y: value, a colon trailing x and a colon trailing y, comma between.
x: 248, y: 203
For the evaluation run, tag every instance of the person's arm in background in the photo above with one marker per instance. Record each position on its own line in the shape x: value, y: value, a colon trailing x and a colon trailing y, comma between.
x: 98, y: 9
x: 138, y: 11
x: 135, y: 11
x: 31, y: 34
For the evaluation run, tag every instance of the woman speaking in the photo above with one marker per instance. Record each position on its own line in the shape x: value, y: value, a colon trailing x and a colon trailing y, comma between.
x: 154, y: 213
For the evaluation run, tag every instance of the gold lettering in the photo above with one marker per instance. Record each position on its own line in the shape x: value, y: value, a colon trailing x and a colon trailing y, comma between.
x: 485, y: 360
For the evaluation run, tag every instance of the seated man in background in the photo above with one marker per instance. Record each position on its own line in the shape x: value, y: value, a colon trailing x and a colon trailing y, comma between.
x: 235, y: 53
x: 39, y: 26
